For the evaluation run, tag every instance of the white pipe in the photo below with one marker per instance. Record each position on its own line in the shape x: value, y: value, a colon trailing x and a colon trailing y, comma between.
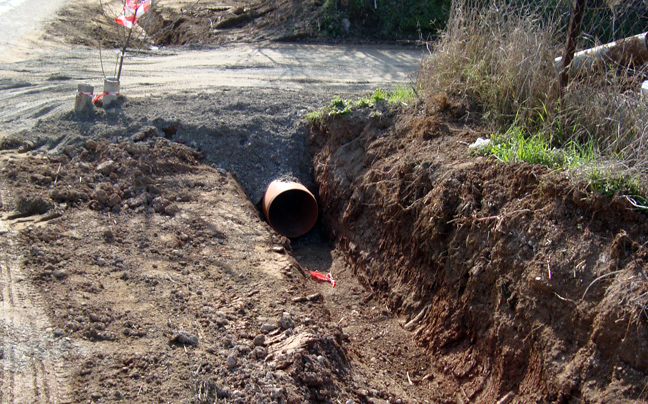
x: 632, y: 51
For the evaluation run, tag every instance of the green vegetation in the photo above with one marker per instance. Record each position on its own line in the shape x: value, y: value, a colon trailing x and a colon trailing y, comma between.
x: 515, y: 146
x: 338, y: 106
x: 386, y: 18
x: 498, y: 57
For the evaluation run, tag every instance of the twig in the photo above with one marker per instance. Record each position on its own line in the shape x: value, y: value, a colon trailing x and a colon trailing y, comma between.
x: 598, y: 279
x: 464, y: 392
x: 409, y: 380
x: 481, y: 219
x: 634, y: 203
x: 578, y: 266
x: 640, y: 269
x: 564, y: 299
x: 123, y: 52
x: 549, y: 269
x: 57, y: 173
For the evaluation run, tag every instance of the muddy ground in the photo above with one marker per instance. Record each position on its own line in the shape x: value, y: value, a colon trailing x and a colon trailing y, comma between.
x: 137, y: 268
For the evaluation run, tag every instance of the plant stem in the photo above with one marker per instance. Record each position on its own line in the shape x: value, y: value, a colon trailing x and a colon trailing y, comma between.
x: 121, y: 61
x: 573, y: 31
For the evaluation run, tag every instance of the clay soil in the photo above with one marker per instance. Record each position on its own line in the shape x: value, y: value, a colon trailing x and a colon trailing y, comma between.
x: 137, y: 268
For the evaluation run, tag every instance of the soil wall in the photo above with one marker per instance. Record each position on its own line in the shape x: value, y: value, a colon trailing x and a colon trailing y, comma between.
x: 521, y: 286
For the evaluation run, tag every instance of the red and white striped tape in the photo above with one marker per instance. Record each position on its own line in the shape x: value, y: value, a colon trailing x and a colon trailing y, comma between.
x: 84, y: 93
x: 133, y: 9
x: 105, y: 93
x: 321, y: 278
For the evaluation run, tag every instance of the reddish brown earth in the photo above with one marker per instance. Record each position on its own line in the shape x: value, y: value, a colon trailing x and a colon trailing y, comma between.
x: 134, y: 270
x: 518, y: 283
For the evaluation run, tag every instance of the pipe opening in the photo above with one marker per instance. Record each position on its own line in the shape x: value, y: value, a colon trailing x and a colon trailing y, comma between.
x: 292, y: 212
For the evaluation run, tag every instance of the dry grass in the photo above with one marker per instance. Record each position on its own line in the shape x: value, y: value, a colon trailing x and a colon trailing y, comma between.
x: 499, y: 57
x: 499, y: 60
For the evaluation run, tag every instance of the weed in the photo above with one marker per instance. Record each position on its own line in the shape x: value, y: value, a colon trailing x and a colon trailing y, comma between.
x: 515, y: 146
x: 399, y: 96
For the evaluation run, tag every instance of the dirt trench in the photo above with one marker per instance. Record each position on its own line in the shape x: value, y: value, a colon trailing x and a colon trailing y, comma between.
x: 520, y: 284
x: 154, y: 278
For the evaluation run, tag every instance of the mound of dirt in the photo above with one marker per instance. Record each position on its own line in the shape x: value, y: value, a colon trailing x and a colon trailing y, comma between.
x: 241, y: 133
x: 181, y: 22
x: 521, y: 285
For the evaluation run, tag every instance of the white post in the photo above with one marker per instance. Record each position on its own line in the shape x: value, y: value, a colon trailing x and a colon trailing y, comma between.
x: 111, y: 91
x: 83, y: 98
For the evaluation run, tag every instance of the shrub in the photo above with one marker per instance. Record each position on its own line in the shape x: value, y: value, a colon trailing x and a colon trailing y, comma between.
x: 387, y: 18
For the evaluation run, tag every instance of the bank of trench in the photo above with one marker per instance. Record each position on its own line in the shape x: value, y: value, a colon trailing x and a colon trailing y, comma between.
x: 521, y: 285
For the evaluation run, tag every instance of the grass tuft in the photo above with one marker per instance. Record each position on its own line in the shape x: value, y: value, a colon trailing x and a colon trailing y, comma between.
x: 401, y: 95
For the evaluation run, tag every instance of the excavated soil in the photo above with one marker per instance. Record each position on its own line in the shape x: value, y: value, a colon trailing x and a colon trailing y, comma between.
x: 137, y: 267
x: 203, y: 22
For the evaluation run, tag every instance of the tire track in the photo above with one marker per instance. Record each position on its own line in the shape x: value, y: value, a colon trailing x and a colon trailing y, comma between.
x: 31, y: 365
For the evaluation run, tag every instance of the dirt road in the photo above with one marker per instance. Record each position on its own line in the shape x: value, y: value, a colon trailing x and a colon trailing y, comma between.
x: 21, y: 23
x: 45, y: 81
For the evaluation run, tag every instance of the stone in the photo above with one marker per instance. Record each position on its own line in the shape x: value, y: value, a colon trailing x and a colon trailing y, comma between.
x: 259, y: 340
x: 106, y: 168
x: 91, y: 145
x: 184, y: 338
x: 171, y: 210
x: 286, y: 321
x: 60, y: 274
x: 113, y: 200
x: 231, y: 361
x: 144, y: 133
x: 276, y: 393
x: 260, y: 352
x: 266, y: 328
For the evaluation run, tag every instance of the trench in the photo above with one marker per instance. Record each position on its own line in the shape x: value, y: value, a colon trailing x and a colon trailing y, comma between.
x: 441, y: 260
